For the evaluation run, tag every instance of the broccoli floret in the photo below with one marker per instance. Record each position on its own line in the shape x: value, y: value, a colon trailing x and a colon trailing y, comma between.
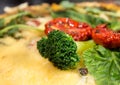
x: 41, y: 45
x: 60, y: 49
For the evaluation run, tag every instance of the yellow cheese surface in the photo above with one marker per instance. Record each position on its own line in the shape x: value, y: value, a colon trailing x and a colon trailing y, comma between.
x: 21, y: 64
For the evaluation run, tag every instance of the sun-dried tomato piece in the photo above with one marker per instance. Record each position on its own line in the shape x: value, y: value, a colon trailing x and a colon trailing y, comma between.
x: 106, y: 37
x: 78, y: 30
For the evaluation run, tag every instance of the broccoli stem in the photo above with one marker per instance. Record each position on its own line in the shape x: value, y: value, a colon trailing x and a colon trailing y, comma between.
x: 6, y: 20
x: 21, y: 26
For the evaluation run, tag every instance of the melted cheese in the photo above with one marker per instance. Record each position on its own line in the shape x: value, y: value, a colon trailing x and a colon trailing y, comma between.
x: 21, y: 64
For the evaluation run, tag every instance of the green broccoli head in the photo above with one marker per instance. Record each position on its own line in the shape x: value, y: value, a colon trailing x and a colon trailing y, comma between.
x: 41, y: 45
x: 60, y: 49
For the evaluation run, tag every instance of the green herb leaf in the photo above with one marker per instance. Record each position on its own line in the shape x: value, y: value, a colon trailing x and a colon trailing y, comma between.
x: 90, y: 19
x: 12, y: 32
x: 1, y: 22
x: 99, y: 11
x: 67, y: 4
x: 7, y: 20
x: 14, y: 29
x: 93, y: 10
x: 114, y: 25
x: 103, y: 64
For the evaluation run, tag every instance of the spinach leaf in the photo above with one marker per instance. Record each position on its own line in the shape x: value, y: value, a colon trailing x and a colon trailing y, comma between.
x: 103, y: 64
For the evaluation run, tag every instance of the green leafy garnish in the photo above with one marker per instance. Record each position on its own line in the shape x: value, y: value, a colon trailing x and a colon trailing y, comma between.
x: 7, y: 20
x: 98, y: 11
x: 114, y: 25
x: 93, y: 10
x: 15, y: 27
x: 67, y: 4
x: 103, y: 64
x: 12, y: 32
x: 90, y: 19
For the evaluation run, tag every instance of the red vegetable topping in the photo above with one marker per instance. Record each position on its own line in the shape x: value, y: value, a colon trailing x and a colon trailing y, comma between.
x: 106, y: 37
x: 36, y: 22
x: 78, y: 30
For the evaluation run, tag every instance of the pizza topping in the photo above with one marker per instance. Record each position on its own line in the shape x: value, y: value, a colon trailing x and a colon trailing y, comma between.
x: 79, y: 16
x: 56, y: 7
x: 83, y: 71
x: 14, y: 28
x: 106, y: 37
x: 98, y: 11
x: 60, y: 49
x: 103, y: 64
x: 34, y: 22
x: 11, y: 10
x: 78, y: 30
x: 66, y: 4
x: 84, y: 45
x: 12, y: 19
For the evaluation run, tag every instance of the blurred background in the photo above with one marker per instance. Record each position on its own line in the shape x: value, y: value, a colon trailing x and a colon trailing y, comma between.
x: 11, y: 3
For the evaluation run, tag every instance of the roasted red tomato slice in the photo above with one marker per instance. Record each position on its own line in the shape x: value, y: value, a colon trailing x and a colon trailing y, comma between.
x: 106, y: 37
x: 78, y: 30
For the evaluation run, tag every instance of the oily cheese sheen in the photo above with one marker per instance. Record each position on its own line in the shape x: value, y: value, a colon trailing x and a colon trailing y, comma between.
x: 21, y: 64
